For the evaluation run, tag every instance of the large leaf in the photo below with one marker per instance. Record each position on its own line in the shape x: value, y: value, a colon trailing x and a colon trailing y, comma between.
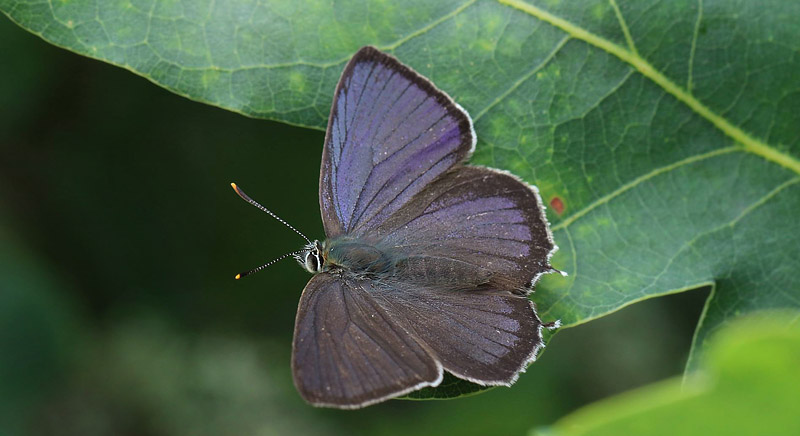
x: 664, y: 134
x: 749, y: 386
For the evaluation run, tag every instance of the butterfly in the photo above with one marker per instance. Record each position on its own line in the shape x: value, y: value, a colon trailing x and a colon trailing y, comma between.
x: 427, y: 263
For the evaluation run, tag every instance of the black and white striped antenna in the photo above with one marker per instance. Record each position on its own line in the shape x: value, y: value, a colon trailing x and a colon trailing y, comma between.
x: 247, y: 198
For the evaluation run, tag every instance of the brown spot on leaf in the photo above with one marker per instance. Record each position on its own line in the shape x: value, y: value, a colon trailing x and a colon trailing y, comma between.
x: 557, y: 204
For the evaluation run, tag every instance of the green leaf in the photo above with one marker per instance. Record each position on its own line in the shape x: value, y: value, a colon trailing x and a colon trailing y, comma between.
x: 664, y: 133
x: 749, y: 387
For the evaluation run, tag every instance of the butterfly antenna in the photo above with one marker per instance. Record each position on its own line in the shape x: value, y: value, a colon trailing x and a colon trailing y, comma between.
x: 255, y: 203
x: 255, y: 270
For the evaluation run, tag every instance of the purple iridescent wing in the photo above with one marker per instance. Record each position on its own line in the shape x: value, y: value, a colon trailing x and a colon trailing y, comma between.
x: 348, y: 353
x: 472, y: 226
x: 391, y: 132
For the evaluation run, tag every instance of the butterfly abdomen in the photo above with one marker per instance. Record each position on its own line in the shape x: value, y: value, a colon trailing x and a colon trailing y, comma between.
x: 442, y: 272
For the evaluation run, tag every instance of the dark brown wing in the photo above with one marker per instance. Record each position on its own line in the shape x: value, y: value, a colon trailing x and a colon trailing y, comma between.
x: 348, y: 352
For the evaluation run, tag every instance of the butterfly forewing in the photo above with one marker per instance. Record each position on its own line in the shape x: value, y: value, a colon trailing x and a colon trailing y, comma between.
x: 391, y: 132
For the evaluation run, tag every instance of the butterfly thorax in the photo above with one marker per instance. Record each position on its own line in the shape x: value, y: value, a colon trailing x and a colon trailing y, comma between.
x: 346, y: 254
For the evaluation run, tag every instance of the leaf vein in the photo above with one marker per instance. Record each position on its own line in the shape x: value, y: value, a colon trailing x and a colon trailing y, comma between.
x: 689, y: 81
x: 522, y: 79
x: 624, y: 26
x: 730, y: 224
x: 637, y: 181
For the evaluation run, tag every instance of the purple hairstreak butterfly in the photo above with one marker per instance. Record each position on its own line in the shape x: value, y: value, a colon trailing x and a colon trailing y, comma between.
x: 427, y: 263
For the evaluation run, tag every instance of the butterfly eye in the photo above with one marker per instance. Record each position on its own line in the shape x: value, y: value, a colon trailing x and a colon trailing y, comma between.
x: 312, y: 263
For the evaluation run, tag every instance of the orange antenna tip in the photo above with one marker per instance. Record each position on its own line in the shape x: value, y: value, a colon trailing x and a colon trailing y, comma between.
x: 233, y: 185
x: 238, y: 276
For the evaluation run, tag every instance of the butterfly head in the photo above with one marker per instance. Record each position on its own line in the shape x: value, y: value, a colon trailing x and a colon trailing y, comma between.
x: 311, y: 257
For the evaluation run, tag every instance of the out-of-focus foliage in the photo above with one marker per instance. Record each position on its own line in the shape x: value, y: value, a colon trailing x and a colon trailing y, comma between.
x: 38, y: 331
x: 748, y: 385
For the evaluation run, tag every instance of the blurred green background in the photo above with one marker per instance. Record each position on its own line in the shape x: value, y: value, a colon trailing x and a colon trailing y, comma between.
x: 119, y: 239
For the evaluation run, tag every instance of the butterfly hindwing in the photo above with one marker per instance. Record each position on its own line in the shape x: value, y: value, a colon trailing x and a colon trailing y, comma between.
x: 483, y: 335
x: 475, y: 216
